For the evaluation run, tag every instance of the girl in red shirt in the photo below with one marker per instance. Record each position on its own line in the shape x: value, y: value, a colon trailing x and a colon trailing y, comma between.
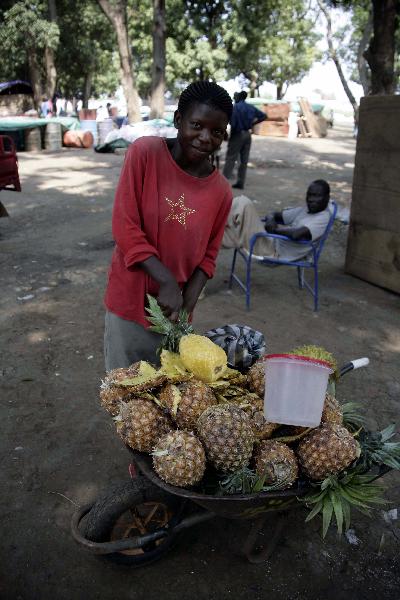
x: 170, y: 210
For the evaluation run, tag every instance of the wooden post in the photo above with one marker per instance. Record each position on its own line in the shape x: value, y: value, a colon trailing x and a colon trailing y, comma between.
x: 373, y: 247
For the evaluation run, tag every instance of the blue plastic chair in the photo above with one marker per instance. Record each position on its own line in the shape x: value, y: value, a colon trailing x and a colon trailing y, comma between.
x: 308, y: 262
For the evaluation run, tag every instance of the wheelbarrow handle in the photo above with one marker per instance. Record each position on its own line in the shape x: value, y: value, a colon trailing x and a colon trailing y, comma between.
x: 354, y: 364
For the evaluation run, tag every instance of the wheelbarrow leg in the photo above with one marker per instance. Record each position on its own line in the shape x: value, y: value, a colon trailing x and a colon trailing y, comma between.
x: 250, y: 550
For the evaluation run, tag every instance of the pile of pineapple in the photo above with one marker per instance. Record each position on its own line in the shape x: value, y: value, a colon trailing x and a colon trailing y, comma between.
x: 196, y: 410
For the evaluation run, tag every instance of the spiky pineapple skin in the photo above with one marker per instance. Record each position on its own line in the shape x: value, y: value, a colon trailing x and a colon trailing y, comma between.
x: 256, y: 378
x: 112, y: 397
x: 202, y: 357
x: 141, y: 423
x: 277, y: 461
x: 332, y: 411
x: 195, y: 398
x: 327, y: 450
x: 184, y: 463
x: 253, y: 405
x: 227, y: 436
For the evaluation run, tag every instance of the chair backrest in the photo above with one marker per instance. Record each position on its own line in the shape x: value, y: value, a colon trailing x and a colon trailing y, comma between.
x: 319, y: 244
x: 7, y: 146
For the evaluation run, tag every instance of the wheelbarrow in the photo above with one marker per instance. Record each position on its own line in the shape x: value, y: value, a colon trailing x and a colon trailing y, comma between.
x: 137, y: 521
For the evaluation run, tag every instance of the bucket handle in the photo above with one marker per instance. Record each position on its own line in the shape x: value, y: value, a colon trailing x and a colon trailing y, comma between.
x: 354, y: 364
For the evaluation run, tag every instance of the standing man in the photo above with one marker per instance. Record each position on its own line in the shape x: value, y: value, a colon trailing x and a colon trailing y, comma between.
x: 244, y: 117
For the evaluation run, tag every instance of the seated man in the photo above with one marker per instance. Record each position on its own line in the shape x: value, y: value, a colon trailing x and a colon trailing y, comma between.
x: 303, y: 223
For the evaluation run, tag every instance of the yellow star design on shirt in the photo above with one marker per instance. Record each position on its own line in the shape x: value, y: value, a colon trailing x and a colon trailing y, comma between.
x: 179, y: 211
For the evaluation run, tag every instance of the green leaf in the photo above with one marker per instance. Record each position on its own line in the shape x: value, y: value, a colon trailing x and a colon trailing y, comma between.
x: 326, y: 515
x: 317, y: 508
x: 346, y: 513
x: 388, y: 432
x: 337, y: 507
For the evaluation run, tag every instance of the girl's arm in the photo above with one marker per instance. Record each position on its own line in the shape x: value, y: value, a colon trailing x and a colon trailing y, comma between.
x: 192, y: 289
x: 169, y: 294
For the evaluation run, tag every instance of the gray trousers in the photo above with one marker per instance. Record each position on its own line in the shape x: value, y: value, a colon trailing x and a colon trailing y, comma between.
x: 126, y: 342
x: 238, y: 148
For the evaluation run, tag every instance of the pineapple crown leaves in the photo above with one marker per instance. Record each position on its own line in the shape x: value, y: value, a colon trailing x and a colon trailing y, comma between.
x: 338, y: 494
x: 377, y: 449
x: 172, y: 332
x: 352, y: 417
x: 246, y: 481
x: 321, y: 354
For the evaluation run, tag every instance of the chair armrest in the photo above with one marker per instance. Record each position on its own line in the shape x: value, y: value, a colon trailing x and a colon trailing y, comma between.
x: 271, y: 235
x: 282, y: 237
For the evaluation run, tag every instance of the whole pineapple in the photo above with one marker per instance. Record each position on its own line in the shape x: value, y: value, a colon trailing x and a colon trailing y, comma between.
x: 186, y: 401
x: 256, y: 378
x: 253, y: 405
x: 227, y: 436
x: 277, y: 462
x: 179, y: 458
x: 327, y: 450
x: 141, y: 423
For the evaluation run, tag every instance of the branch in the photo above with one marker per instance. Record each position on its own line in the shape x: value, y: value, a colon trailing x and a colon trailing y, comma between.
x: 335, y: 58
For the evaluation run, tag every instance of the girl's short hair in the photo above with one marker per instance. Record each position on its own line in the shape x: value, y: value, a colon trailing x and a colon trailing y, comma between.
x: 205, y: 92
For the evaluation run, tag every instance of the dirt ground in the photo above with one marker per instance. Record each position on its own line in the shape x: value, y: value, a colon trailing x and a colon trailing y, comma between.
x: 59, y: 449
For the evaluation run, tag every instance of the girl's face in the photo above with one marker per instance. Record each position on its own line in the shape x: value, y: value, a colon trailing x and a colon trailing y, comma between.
x: 201, y: 131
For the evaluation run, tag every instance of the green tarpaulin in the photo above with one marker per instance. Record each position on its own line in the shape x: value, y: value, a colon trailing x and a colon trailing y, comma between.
x: 15, y: 123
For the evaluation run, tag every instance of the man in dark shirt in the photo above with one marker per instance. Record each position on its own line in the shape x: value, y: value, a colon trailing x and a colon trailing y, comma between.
x: 244, y: 117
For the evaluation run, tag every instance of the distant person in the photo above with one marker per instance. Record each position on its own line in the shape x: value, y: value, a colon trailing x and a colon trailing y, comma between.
x: 169, y: 216
x: 109, y: 109
x: 46, y: 107
x: 302, y: 223
x: 244, y: 117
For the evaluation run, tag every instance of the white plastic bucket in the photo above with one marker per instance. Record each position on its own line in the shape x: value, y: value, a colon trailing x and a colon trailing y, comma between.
x: 295, y: 388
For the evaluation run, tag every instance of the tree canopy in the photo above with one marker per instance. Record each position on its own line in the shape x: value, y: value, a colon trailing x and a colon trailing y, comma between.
x: 259, y: 40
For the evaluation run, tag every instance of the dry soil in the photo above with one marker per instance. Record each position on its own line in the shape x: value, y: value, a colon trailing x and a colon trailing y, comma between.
x: 59, y: 449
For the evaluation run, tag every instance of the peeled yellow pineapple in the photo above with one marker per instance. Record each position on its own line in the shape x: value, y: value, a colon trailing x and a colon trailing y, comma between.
x: 206, y: 360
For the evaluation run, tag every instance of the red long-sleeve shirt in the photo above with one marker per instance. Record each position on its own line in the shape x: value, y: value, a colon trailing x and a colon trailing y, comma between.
x: 160, y: 210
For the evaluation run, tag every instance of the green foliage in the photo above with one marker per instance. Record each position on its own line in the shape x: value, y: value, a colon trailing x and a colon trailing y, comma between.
x: 24, y: 28
x: 377, y: 449
x: 271, y: 40
x: 172, y: 332
x: 246, y: 481
x: 213, y: 39
x: 352, y: 417
x: 337, y: 495
x: 87, y: 48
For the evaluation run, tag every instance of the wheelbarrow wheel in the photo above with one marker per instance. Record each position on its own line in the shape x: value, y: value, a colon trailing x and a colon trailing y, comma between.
x: 132, y: 509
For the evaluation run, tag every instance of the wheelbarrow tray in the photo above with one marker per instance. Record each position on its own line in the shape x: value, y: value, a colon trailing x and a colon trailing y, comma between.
x: 238, y: 506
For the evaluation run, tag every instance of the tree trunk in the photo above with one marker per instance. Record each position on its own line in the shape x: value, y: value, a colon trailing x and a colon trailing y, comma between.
x: 158, y: 71
x: 87, y: 88
x: 253, y: 85
x: 335, y: 58
x: 118, y: 18
x: 35, y: 79
x: 380, y: 53
x: 280, y: 92
x: 49, y: 57
x: 363, y: 73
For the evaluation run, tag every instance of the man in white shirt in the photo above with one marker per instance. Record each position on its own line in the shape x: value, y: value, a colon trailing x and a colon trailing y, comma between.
x: 303, y: 223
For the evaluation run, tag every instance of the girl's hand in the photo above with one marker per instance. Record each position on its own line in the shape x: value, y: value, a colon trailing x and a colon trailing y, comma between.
x: 170, y: 299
